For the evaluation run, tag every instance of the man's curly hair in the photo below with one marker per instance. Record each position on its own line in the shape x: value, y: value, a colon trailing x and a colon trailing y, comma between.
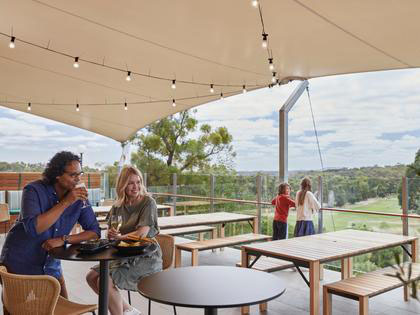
x: 57, y: 165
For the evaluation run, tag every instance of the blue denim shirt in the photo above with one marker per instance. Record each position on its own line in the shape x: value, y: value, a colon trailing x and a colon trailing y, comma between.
x: 22, y: 252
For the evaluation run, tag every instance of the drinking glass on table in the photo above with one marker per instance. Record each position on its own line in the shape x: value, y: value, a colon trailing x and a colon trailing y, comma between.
x: 116, y: 221
x: 82, y: 185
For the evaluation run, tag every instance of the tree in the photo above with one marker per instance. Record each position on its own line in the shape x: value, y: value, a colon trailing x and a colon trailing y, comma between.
x: 178, y: 144
x: 413, y: 175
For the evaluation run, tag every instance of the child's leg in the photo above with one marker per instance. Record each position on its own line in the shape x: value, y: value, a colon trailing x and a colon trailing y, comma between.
x: 276, y: 230
x: 283, y: 230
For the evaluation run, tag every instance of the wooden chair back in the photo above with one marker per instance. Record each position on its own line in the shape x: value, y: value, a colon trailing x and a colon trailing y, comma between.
x: 167, y: 245
x: 4, y: 212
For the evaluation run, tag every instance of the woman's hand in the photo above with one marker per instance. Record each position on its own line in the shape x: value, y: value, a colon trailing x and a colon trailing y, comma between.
x: 113, y: 234
x: 76, y: 194
x: 52, y: 243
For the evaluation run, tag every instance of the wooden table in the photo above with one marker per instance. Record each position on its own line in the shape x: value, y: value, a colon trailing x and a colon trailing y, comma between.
x: 311, y: 251
x: 103, y: 210
x: 207, y: 218
x: 211, y: 287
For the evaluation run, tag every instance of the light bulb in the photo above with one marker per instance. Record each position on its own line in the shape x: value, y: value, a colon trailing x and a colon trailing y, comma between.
x: 173, y: 103
x: 77, y: 108
x: 173, y: 86
x: 12, y: 42
x: 255, y: 3
x: 125, y: 106
x: 274, y: 79
x: 29, y: 106
x: 270, y: 64
x: 264, y: 41
x: 76, y: 62
x: 128, y: 77
x: 211, y: 88
x: 243, y: 89
x: 221, y: 96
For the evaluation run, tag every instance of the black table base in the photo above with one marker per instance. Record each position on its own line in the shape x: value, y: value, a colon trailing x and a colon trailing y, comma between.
x: 210, y: 311
x: 103, y: 287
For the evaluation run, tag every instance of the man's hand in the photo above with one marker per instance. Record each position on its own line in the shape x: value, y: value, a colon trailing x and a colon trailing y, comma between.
x: 52, y: 243
x: 76, y: 194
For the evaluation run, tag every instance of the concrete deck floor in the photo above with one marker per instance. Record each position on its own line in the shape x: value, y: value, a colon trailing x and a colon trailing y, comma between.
x: 294, y: 301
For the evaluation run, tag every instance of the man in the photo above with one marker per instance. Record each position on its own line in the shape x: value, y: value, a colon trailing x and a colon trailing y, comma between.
x: 50, y: 209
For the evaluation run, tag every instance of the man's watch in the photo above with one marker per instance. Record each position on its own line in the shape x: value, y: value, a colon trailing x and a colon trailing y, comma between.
x: 65, y: 239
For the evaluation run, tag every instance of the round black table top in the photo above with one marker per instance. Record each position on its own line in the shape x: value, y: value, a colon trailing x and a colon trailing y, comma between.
x: 211, y: 287
x: 72, y: 253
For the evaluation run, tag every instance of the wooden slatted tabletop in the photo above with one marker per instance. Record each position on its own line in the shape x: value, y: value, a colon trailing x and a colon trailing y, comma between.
x: 311, y: 251
x: 205, y: 219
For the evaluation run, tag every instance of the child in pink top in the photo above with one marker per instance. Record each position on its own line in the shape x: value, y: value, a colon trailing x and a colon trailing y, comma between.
x: 283, y: 203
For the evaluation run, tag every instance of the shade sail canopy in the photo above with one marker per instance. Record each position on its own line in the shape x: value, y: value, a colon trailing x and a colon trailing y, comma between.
x: 196, y: 43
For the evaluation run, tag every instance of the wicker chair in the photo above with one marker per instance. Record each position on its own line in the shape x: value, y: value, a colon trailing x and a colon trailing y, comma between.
x: 167, y: 245
x: 4, y: 216
x: 37, y: 295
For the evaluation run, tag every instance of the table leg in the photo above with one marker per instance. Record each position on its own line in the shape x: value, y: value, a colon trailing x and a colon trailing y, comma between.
x: 103, y: 287
x: 210, y: 311
x: 244, y: 264
x: 171, y: 211
x: 345, y: 266
x: 222, y: 234
x: 255, y: 225
x: 314, y: 287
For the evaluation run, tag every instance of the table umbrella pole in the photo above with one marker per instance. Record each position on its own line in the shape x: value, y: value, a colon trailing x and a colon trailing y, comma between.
x: 210, y: 311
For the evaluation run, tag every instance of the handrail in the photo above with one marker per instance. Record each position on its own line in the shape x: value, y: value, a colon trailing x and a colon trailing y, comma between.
x: 411, y: 216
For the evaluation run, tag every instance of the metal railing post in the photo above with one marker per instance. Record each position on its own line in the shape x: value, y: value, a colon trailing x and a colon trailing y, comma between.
x: 145, y: 180
x: 259, y: 194
x: 174, y: 185
x: 212, y: 184
x: 320, y: 199
x: 404, y: 204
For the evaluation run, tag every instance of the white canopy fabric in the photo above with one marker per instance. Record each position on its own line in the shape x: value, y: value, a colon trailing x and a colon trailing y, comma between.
x: 211, y: 42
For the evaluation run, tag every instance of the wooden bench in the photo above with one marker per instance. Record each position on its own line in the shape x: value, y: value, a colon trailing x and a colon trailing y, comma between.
x: 268, y: 264
x: 195, y: 247
x: 367, y: 285
x: 200, y: 229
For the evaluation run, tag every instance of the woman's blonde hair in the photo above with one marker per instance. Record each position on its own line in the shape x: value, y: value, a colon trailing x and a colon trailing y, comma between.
x: 122, y: 182
x: 305, y: 185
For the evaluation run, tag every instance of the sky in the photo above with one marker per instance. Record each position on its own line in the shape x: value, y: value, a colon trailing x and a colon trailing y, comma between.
x: 361, y: 119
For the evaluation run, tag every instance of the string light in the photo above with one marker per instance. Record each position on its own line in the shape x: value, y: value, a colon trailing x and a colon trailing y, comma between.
x: 173, y: 86
x: 12, y: 42
x: 125, y: 106
x: 77, y: 108
x: 128, y: 77
x: 211, y: 88
x: 29, y: 106
x: 173, y: 103
x: 264, y: 41
x: 270, y: 64
x: 221, y: 96
x: 274, y: 79
x: 243, y: 89
x: 255, y: 3
x: 76, y: 62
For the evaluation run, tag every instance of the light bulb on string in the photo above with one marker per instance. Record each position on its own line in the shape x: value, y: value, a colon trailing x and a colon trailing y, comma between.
x: 125, y: 106
x: 173, y: 103
x: 243, y: 89
x: 12, y: 42
x: 173, y: 85
x: 128, y: 77
x: 255, y: 3
x: 77, y: 108
x: 264, y: 41
x: 270, y: 64
x: 76, y: 62
x: 29, y: 107
x: 221, y: 96
x: 274, y: 79
x: 211, y: 88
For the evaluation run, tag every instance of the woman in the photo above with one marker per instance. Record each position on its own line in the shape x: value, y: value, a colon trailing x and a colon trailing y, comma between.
x: 139, y: 218
x: 306, y: 205
x: 50, y: 209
